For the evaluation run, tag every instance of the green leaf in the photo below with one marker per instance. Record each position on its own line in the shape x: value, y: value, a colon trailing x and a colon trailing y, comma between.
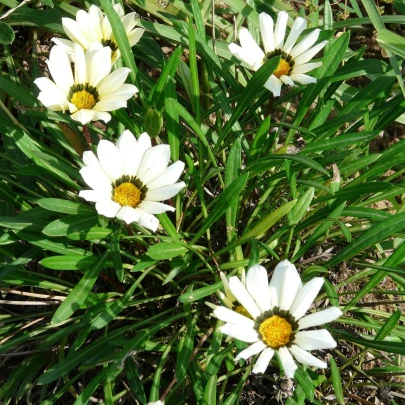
x: 166, y: 250
x: 73, y: 262
x: 340, y: 141
x: 370, y: 237
x: 305, y: 381
x: 70, y: 224
x: 66, y: 206
x: 254, y: 87
x: 80, y: 292
x: 336, y: 381
x: 134, y: 380
x: 6, y: 34
x: 391, y: 41
x: 302, y: 205
x: 200, y: 293
x: 389, y: 325
x: 210, y: 391
x: 185, y: 350
x: 222, y: 203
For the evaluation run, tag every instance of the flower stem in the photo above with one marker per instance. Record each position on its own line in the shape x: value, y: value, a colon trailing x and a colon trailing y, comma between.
x: 86, y: 135
x: 269, y: 106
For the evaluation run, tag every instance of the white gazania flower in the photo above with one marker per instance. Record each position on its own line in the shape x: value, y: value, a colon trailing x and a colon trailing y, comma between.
x: 129, y: 178
x: 275, y: 318
x: 90, y: 90
x: 294, y: 57
x: 93, y: 27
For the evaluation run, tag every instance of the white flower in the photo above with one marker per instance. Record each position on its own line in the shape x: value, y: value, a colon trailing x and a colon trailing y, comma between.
x: 294, y: 57
x: 90, y: 90
x: 156, y: 403
x: 129, y: 178
x: 276, y: 318
x: 93, y: 27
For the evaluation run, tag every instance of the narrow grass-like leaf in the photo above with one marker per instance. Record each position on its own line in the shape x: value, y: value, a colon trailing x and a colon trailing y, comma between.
x: 135, y: 381
x: 186, y: 349
x: 210, y: 391
x: 66, y: 206
x: 79, y: 294
x: 370, y: 237
x: 336, y: 381
x: 304, y: 380
x: 389, y: 325
x: 222, y: 203
x: 70, y: 224
x: 254, y: 87
x: 166, y: 250
x: 200, y: 293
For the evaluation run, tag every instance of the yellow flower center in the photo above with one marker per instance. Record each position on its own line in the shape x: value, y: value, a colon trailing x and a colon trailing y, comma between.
x: 241, y: 310
x: 83, y: 100
x: 275, y: 331
x: 282, y: 69
x: 127, y: 194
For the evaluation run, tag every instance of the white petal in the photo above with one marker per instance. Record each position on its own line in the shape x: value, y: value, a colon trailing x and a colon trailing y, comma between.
x: 116, y: 100
x: 90, y: 160
x: 156, y: 403
x: 299, y: 25
x: 306, y: 297
x: 320, y: 318
x: 274, y: 85
x: 284, y: 285
x: 279, y: 32
x: 134, y: 36
x: 287, y: 80
x: 89, y: 26
x: 48, y: 86
x: 303, y: 79
x: 257, y: 286
x: 227, y: 290
x: 240, y: 293
x: 103, y: 116
x: 128, y: 215
x: 108, y: 208
x: 80, y: 65
x: 83, y: 116
x: 129, y: 22
x: 263, y: 361
x: 113, y: 81
x: 155, y: 207
x: 106, y: 29
x: 229, y: 316
x: 315, y: 339
x: 110, y: 159
x: 251, y: 351
x: 119, y: 10
x: 287, y: 361
x: 92, y: 195
x: 240, y: 332
x: 143, y: 144
x: 307, y: 67
x: 243, y: 55
x: 60, y: 68
x: 127, y: 146
x: 303, y: 357
x: 308, y: 55
x: 154, y: 162
x: 147, y: 220
x: 99, y: 66
x: 96, y: 179
x: 267, y: 31
x: 168, y: 177
x: 73, y: 31
x: 249, y: 45
x: 305, y: 44
x: 164, y: 193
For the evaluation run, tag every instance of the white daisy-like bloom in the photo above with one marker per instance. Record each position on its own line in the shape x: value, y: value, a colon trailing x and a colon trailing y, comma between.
x: 90, y: 90
x: 93, y: 27
x: 275, y: 320
x: 130, y: 178
x: 294, y: 62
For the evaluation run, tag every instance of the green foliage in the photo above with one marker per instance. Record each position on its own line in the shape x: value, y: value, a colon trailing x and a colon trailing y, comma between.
x: 97, y: 309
